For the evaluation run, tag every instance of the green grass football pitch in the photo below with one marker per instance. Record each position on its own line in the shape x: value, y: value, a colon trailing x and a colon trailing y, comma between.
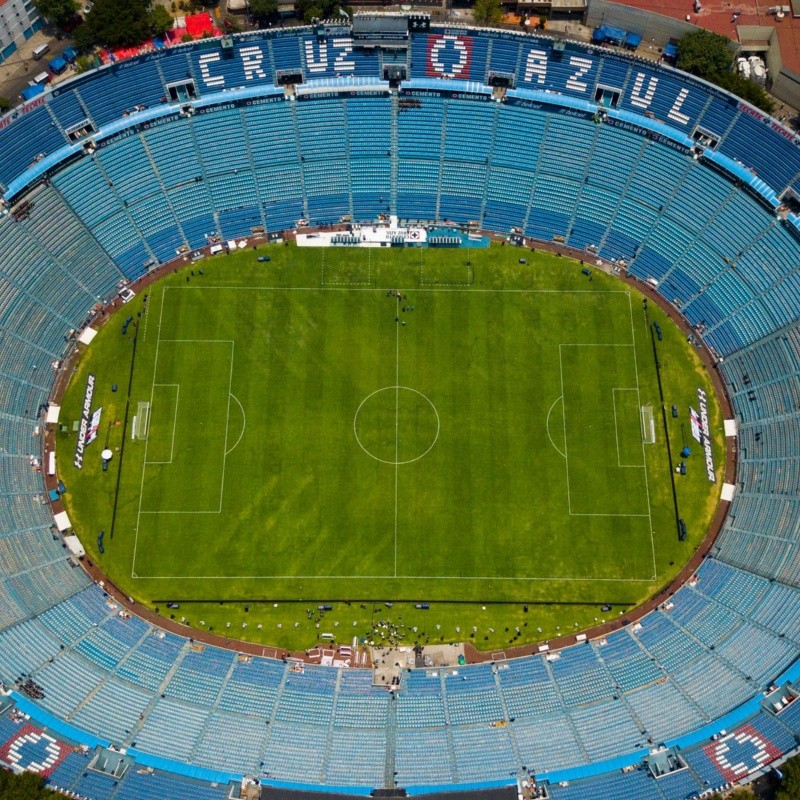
x: 405, y: 425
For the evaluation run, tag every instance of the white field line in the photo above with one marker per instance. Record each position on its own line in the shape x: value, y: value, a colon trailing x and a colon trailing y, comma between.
x: 644, y: 454
x: 174, y: 422
x: 616, y: 425
x: 147, y: 441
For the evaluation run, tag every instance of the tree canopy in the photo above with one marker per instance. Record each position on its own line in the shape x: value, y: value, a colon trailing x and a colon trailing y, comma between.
x: 744, y: 88
x: 709, y: 56
x: 321, y: 9
x: 790, y: 785
x: 160, y: 21
x: 57, y: 12
x: 122, y: 23
x: 25, y: 786
x: 704, y: 53
x: 488, y: 12
x: 263, y: 9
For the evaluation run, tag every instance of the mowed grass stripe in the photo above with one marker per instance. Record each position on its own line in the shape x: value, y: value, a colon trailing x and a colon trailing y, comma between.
x: 307, y: 513
x: 192, y: 480
x: 296, y: 472
x: 493, y: 488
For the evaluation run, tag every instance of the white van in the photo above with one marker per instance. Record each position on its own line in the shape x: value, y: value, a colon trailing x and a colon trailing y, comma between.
x: 743, y: 65
x: 41, y: 51
x: 758, y: 71
x: 40, y: 80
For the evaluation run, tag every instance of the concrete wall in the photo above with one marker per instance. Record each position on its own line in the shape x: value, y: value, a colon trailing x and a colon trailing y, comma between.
x: 786, y: 87
x: 782, y: 82
x: 646, y: 23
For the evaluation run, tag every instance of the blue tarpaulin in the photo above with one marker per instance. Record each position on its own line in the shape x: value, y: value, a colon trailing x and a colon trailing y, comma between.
x: 69, y: 54
x: 29, y: 92
x: 632, y: 40
x: 58, y: 65
x: 671, y: 50
x: 606, y: 33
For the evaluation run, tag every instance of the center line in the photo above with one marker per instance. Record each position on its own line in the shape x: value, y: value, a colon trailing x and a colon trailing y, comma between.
x: 396, y: 424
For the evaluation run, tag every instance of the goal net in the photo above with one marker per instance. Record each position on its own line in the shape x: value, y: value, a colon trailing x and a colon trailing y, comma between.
x: 141, y: 422
x: 648, y: 425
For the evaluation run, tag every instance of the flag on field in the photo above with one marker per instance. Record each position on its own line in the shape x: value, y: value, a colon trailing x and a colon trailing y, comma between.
x: 94, y: 426
x: 697, y: 426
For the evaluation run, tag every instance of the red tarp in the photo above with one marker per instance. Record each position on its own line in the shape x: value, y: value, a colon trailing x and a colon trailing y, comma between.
x: 196, y: 26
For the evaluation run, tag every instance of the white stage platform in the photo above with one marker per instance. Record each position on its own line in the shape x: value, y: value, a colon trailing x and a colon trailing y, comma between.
x: 365, y: 236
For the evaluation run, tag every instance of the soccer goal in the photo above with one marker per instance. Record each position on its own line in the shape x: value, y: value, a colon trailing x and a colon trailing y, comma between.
x: 648, y: 425
x: 141, y: 422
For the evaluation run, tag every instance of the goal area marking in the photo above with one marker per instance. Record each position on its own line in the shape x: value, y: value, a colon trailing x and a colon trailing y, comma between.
x: 177, y: 388
x: 620, y: 462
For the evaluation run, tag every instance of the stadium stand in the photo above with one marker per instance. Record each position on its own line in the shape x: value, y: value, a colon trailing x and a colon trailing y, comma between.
x: 705, y: 225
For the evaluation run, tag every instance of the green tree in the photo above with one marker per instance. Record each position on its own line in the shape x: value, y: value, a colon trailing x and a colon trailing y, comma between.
x: 744, y: 88
x: 320, y: 9
x: 790, y: 785
x: 115, y: 23
x: 160, y: 21
x: 704, y: 53
x: 85, y: 63
x: 709, y: 56
x: 57, y: 12
x: 488, y: 12
x: 25, y: 786
x: 263, y: 10
x: 5, y: 104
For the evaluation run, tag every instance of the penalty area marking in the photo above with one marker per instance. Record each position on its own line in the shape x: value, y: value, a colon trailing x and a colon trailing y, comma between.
x: 153, y: 512
x: 244, y: 424
x: 547, y: 425
x: 572, y: 513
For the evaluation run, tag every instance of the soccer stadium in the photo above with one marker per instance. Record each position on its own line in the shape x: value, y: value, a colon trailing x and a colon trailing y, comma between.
x: 375, y: 315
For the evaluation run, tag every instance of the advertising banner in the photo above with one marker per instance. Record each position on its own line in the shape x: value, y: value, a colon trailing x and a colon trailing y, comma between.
x: 84, y: 424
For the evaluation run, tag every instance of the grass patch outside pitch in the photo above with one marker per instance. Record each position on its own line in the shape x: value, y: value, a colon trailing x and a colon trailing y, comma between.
x: 304, y: 444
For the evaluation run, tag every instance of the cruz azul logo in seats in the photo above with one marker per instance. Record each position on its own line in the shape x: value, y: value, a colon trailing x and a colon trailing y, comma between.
x: 740, y: 753
x: 448, y: 57
x: 32, y: 750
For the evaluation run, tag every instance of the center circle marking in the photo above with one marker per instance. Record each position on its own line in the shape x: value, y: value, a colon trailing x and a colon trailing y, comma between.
x: 396, y: 389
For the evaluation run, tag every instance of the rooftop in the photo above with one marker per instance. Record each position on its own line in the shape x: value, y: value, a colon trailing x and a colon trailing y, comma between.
x: 718, y: 16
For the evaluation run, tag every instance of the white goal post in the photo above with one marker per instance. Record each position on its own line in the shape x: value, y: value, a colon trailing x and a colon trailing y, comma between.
x: 648, y: 425
x: 141, y: 422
